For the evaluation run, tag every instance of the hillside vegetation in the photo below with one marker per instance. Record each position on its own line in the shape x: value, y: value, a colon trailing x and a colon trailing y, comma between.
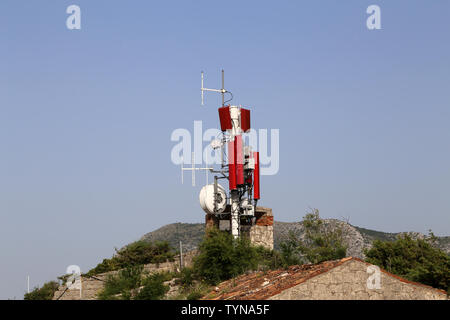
x: 357, y: 239
x: 220, y: 257
x: 414, y: 259
x: 137, y: 253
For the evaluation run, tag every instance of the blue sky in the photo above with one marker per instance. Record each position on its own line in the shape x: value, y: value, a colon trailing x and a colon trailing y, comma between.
x: 86, y: 117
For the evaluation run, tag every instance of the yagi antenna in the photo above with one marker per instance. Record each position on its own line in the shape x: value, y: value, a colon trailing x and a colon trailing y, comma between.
x: 222, y: 91
x: 193, y: 168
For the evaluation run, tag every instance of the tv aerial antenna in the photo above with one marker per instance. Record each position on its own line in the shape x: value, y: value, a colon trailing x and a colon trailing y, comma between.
x: 222, y: 90
x: 215, y: 144
x: 193, y: 168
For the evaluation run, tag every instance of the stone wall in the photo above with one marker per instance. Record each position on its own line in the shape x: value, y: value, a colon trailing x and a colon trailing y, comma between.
x: 91, y: 286
x: 349, y: 282
x: 259, y: 230
x: 261, y: 233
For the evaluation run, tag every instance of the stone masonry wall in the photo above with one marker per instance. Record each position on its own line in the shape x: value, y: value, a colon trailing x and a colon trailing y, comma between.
x: 349, y: 282
x: 91, y: 286
x: 260, y: 233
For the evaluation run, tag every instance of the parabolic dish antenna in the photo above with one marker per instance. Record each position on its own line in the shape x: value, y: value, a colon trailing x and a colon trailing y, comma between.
x: 207, y: 199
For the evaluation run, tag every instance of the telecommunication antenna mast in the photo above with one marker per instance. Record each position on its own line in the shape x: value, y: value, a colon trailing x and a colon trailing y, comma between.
x: 241, y: 168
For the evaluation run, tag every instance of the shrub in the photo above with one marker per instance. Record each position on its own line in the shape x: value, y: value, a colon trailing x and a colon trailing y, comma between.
x: 120, y: 285
x: 222, y: 257
x: 186, y: 277
x: 46, y: 292
x: 290, y: 251
x: 105, y: 266
x: 154, y: 288
x: 136, y: 253
x: 268, y: 259
x: 195, y: 295
x: 143, y: 252
x: 194, y: 291
x: 415, y: 260
x: 131, y: 283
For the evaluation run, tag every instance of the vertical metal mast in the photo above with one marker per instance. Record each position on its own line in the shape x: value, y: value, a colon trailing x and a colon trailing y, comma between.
x: 223, y: 91
x: 232, y: 130
x: 223, y: 105
x: 223, y: 88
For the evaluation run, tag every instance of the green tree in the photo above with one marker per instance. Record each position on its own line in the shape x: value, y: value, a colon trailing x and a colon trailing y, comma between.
x: 290, y: 251
x: 46, y: 292
x: 321, y: 242
x: 222, y: 257
x: 268, y: 259
x: 416, y: 260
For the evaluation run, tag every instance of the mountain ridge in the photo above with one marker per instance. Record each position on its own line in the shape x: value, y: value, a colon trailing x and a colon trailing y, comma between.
x: 356, y: 238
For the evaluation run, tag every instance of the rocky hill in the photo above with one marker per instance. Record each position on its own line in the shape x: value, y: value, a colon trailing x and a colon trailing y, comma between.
x: 357, y: 239
x: 189, y: 233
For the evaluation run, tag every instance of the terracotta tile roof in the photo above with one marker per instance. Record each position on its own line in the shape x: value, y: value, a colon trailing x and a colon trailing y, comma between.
x: 263, y: 285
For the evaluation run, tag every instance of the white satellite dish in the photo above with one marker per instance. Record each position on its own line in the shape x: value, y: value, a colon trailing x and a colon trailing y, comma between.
x: 207, y: 199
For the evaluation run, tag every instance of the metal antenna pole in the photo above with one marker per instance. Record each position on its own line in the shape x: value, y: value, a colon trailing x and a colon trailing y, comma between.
x: 181, y: 255
x: 223, y: 88
x: 206, y: 171
x: 182, y: 162
x: 215, y: 194
x: 222, y: 91
x: 203, y: 103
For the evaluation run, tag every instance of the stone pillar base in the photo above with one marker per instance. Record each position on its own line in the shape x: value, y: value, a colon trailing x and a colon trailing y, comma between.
x: 259, y: 229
